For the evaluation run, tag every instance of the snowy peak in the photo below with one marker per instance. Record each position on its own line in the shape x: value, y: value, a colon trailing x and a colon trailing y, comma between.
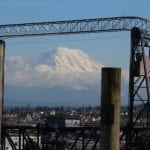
x: 68, y: 60
x: 63, y: 67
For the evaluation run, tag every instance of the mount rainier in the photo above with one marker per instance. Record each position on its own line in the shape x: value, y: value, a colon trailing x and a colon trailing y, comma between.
x: 56, y: 77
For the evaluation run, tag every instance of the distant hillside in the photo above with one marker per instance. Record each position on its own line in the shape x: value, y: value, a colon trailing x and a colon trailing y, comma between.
x: 21, y: 96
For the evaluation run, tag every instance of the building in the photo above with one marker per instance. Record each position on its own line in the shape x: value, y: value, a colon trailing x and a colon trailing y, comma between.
x: 61, y: 120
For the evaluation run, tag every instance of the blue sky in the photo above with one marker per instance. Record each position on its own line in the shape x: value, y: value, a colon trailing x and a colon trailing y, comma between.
x: 110, y: 49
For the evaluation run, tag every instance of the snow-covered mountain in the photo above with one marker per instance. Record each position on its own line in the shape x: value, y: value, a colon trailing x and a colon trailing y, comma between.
x: 56, y: 77
x: 61, y: 67
x: 68, y: 61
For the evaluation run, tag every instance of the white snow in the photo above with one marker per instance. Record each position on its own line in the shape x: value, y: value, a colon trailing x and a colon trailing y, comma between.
x: 61, y: 67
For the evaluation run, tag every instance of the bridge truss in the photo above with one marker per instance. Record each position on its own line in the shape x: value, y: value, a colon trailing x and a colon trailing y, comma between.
x: 74, y: 27
x: 139, y: 83
x: 139, y: 76
x: 50, y: 138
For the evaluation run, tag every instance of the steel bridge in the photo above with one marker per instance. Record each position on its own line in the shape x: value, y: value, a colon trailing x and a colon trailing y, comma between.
x: 139, y: 75
x: 48, y: 138
x: 20, y: 137
x: 113, y: 24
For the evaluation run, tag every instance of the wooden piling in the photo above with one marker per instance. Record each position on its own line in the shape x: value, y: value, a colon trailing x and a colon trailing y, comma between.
x: 110, y: 109
x: 2, y: 54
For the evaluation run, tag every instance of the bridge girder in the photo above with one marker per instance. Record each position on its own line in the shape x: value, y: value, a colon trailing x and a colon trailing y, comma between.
x: 113, y: 24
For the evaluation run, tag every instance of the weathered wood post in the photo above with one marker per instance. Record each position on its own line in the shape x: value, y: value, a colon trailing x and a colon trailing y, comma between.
x: 110, y: 109
x: 2, y: 54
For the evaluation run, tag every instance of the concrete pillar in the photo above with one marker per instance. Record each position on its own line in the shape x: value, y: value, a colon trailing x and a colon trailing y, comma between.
x: 2, y: 54
x: 110, y: 109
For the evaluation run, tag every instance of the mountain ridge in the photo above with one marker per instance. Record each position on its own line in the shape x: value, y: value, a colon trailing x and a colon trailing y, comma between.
x: 56, y: 77
x: 62, y: 76
x: 60, y: 67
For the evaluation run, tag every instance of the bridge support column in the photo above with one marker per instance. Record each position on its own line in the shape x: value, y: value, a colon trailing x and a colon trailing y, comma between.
x: 2, y: 54
x: 110, y: 109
